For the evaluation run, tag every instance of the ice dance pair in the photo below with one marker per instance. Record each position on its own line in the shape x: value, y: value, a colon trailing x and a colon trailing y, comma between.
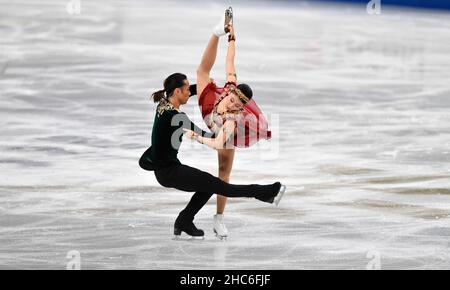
x: 235, y: 121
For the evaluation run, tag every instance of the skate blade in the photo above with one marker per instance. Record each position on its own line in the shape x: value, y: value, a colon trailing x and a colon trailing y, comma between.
x: 280, y: 194
x: 187, y: 238
x: 222, y: 238
x: 229, y: 16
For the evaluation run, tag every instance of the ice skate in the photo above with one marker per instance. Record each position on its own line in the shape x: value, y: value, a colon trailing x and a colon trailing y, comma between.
x: 189, y: 229
x: 220, y: 229
x: 275, y: 196
x: 222, y: 27
x: 280, y: 194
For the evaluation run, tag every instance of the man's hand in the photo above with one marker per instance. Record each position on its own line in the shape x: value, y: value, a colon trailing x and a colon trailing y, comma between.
x: 190, y: 134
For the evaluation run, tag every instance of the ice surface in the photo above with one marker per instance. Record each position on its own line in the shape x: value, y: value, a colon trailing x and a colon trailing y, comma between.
x: 359, y: 105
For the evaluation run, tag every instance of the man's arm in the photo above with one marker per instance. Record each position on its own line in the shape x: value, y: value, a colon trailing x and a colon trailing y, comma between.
x: 192, y: 90
x: 188, y: 124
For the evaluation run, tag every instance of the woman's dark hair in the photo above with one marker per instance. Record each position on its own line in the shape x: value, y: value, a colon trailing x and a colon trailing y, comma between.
x: 172, y: 82
x: 246, y: 90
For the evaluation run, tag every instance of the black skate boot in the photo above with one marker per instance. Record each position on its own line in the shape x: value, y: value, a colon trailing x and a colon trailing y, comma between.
x: 186, y: 225
x: 275, y: 195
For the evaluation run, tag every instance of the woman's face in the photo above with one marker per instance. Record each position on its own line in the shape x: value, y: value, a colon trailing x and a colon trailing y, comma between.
x: 233, y: 103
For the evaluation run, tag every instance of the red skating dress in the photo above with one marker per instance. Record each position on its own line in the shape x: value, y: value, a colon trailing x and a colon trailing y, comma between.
x: 251, y: 125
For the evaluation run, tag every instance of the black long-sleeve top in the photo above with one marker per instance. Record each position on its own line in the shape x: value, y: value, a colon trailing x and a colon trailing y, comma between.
x: 167, y: 137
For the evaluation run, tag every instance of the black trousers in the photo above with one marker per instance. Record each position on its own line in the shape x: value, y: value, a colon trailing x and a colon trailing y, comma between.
x: 190, y: 179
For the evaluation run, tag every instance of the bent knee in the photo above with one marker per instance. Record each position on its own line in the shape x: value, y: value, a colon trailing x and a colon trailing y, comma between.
x: 162, y: 179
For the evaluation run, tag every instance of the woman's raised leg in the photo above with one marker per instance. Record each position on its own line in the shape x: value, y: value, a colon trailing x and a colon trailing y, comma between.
x: 206, y: 64
x: 210, y: 53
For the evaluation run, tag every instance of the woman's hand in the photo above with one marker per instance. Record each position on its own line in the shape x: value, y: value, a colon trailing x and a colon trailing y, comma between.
x: 190, y: 134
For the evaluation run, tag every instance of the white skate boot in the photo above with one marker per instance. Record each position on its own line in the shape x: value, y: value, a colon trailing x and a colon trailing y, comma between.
x: 219, y: 227
x: 222, y: 27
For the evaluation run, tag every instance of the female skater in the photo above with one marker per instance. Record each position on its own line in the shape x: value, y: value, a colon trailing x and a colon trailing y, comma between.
x: 161, y: 158
x: 230, y: 107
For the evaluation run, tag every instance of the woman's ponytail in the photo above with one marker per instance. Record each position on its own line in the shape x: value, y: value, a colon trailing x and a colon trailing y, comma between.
x: 158, y: 95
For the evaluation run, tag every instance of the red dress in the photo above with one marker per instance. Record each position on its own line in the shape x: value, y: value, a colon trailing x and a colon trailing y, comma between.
x: 251, y: 125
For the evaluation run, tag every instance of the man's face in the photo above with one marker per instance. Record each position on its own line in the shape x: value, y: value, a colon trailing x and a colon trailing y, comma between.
x: 184, y: 93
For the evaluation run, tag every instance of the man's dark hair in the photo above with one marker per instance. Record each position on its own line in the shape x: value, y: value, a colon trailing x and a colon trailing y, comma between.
x: 172, y: 82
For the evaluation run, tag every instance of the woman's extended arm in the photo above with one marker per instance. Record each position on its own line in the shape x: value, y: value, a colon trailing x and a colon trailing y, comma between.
x: 218, y: 142
x: 230, y: 68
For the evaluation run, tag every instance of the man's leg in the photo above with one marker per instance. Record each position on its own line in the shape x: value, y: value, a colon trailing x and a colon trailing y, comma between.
x: 187, y: 178
x: 198, y: 200
x: 190, y: 179
x: 185, y: 219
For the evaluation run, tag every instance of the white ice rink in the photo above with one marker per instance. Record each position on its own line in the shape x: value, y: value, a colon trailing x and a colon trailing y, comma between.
x: 359, y: 106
